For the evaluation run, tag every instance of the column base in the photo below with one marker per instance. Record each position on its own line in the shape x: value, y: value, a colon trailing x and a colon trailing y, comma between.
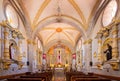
x: 6, y: 63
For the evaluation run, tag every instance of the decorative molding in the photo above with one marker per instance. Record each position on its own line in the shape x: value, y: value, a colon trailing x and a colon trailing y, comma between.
x: 79, y: 12
x: 69, y: 38
x: 6, y: 64
x: 100, y: 41
x: 89, y: 41
x: 99, y: 65
x: 23, y: 8
x: 50, y: 36
x: 76, y: 20
x: 115, y: 32
x: 29, y: 41
x: 94, y: 55
x: 42, y: 7
x: 97, y: 4
x: 114, y: 63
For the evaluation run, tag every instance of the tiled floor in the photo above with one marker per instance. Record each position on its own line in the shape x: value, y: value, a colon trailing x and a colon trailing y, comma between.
x: 59, y: 75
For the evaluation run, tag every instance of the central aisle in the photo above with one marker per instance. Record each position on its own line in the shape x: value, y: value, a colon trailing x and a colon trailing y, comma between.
x: 59, y: 75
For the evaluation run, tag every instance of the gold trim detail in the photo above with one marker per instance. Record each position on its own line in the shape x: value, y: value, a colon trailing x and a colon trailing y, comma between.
x: 55, y: 16
x: 115, y: 65
x: 59, y: 30
x: 29, y: 41
x: 50, y: 36
x: 68, y: 37
x: 21, y: 4
x: 45, y: 3
x: 89, y: 41
x: 78, y: 10
x: 100, y: 41
x: 93, y: 10
x: 99, y: 66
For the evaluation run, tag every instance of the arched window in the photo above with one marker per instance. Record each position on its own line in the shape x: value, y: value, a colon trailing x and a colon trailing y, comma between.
x: 11, y: 16
x: 109, y: 12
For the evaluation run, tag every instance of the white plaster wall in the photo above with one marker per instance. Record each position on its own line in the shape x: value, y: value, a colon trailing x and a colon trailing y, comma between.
x: 10, y: 71
x: 24, y: 42
x: 14, y: 68
x: 94, y: 40
x: 119, y: 39
x: 95, y: 48
x: 1, y: 18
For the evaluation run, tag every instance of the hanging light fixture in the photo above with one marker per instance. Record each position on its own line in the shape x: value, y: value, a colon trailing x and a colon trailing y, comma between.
x: 59, y: 12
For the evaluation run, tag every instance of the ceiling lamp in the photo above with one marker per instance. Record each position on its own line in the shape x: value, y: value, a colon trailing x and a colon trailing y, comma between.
x: 59, y: 12
x: 59, y: 30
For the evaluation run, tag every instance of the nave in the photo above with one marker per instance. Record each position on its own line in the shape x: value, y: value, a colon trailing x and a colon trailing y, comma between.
x: 59, y: 39
x: 58, y: 75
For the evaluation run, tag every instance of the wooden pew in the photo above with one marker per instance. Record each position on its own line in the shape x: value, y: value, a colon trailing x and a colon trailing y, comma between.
x: 90, y: 79
x: 69, y: 74
x: 29, y: 76
x: 25, y: 79
x: 82, y: 76
x: 47, y: 76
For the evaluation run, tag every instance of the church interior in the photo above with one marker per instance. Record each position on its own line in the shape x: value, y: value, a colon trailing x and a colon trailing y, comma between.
x: 59, y: 40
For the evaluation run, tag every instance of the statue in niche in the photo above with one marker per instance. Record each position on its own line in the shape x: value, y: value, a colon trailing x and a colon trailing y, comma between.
x: 108, y: 52
x: 12, y: 51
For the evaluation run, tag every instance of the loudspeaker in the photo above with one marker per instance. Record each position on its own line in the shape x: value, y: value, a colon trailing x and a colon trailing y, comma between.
x: 27, y: 63
x: 91, y: 63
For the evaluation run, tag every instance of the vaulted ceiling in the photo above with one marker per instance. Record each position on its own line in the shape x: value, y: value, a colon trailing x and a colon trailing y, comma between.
x: 81, y: 11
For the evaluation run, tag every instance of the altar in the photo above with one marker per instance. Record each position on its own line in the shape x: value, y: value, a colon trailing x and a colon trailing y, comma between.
x: 59, y: 68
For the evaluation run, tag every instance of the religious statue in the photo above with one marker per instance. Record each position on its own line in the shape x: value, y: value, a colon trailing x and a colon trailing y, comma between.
x: 12, y: 51
x: 73, y: 65
x: 59, y: 57
x: 108, y: 52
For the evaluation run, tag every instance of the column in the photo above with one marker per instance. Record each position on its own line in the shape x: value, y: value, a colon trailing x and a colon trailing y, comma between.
x: 35, y: 56
x: 119, y: 39
x: 85, y: 60
x: 100, y: 59
x: 115, y: 42
x: 19, y: 48
x: 30, y: 54
x: 77, y: 57
x: 6, y: 61
x: 89, y: 45
x: 90, y: 49
x: 6, y: 43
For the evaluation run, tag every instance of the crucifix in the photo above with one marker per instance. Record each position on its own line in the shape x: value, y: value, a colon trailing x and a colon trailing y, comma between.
x: 59, y: 57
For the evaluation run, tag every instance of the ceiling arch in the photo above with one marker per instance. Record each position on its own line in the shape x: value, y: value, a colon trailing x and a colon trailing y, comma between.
x: 77, y: 14
x: 66, y: 20
x: 54, y: 42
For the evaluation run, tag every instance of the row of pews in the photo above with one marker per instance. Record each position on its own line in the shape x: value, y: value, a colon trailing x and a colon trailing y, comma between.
x: 44, y: 76
x: 80, y: 76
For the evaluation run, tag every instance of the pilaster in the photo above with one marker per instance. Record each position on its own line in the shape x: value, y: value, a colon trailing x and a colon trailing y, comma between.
x: 115, y: 42
x: 30, y: 54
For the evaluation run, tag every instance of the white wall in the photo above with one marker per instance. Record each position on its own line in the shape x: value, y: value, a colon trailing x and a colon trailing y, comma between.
x: 14, y: 68
x: 95, y: 48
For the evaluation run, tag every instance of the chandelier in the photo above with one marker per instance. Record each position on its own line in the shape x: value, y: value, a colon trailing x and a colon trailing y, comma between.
x: 58, y: 12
